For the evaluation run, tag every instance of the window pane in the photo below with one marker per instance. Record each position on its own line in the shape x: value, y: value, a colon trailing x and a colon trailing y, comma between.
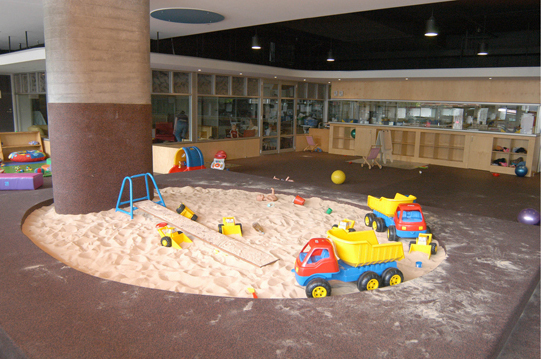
x: 225, y: 118
x: 288, y: 91
x: 164, y: 110
x: 270, y: 117
x: 322, y: 91
x: 238, y: 86
x: 309, y: 114
x: 312, y: 88
x: 270, y: 90
x: 160, y: 81
x: 253, y: 87
x: 205, y: 83
x: 222, y: 84
x: 181, y: 82
x: 41, y: 82
x: 287, y: 117
x: 302, y: 90
x: 24, y: 83
x: 33, y: 82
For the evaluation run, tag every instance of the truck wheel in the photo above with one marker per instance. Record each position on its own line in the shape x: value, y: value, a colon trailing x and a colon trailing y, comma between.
x: 433, y: 248
x: 392, y: 276
x: 194, y: 217
x: 369, y: 218
x: 166, y: 241
x: 335, y: 226
x: 351, y: 230
x: 392, y: 234
x: 379, y: 225
x: 428, y: 230
x: 220, y: 227
x: 181, y: 208
x: 318, y: 288
x: 369, y: 281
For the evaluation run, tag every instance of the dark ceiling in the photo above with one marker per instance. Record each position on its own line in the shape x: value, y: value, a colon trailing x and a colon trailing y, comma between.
x: 382, y: 39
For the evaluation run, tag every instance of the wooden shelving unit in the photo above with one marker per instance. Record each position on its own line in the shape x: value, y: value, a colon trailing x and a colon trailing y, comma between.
x: 403, y: 143
x: 442, y: 146
x: 341, y: 140
x: 510, y: 143
x: 18, y: 141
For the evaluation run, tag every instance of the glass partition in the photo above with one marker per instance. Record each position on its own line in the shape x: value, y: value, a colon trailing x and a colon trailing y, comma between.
x: 310, y: 113
x: 460, y: 116
x: 223, y: 117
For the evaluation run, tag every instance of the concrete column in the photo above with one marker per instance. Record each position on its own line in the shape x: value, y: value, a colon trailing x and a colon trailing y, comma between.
x: 98, y: 92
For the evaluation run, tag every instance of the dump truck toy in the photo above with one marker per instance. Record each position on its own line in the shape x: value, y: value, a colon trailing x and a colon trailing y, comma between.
x: 228, y: 226
x: 400, y: 216
x: 169, y: 237
x: 346, y: 224
x: 424, y: 243
x: 186, y: 212
x: 347, y: 257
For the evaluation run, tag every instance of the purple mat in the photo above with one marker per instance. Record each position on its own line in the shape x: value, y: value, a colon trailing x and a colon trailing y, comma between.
x: 18, y: 181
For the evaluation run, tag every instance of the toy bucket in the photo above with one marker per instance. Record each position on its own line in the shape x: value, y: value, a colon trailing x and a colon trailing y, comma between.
x: 299, y: 200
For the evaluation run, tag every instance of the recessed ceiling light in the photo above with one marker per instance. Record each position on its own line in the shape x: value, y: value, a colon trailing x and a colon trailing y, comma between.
x: 406, y: 78
x: 199, y: 69
x: 240, y: 73
x: 187, y: 16
x: 491, y: 78
x: 275, y: 76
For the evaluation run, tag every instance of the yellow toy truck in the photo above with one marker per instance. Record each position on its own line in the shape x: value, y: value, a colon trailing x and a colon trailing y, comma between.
x: 169, y: 237
x: 228, y: 226
x: 348, y: 257
x: 186, y: 212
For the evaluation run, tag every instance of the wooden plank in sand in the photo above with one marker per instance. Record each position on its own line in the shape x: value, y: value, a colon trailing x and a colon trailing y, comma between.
x: 224, y: 243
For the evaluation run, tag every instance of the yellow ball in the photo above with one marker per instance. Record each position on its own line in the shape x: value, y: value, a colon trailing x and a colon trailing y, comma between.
x: 338, y: 177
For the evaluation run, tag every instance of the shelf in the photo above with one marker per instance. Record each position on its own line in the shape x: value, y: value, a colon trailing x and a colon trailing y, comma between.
x: 18, y: 141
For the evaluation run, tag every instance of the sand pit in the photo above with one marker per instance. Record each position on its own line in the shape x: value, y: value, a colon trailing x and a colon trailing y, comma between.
x: 111, y: 246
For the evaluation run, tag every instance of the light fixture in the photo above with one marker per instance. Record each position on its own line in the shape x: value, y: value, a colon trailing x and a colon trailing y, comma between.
x: 255, y: 42
x: 330, y: 56
x: 482, y: 49
x: 431, y: 27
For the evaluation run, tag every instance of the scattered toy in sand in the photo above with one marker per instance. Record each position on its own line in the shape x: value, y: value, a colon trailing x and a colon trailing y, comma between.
x: 257, y: 227
x: 280, y: 179
x: 270, y: 197
x: 252, y: 291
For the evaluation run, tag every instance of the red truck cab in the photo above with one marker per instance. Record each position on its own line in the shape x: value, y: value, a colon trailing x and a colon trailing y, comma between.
x: 317, y: 256
x: 409, y: 217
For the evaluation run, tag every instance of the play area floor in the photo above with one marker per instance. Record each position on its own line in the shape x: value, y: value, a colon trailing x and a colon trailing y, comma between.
x: 466, y: 308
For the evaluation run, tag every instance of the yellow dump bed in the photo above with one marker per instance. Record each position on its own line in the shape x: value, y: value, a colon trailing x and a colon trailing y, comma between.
x: 362, y: 248
x: 388, y: 206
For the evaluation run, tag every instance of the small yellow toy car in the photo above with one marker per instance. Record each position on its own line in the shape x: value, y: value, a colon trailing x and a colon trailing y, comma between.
x: 424, y: 243
x: 170, y: 237
x: 346, y: 224
x: 186, y: 212
x: 230, y: 227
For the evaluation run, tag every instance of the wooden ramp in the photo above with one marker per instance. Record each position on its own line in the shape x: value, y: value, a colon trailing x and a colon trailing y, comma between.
x: 224, y: 243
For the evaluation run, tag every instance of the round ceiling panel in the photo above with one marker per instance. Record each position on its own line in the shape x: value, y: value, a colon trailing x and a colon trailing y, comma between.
x: 187, y: 16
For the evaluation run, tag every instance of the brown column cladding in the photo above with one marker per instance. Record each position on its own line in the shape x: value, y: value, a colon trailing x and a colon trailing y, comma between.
x: 94, y: 147
x: 98, y: 93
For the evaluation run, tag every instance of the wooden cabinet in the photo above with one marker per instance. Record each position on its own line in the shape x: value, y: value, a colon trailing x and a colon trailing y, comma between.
x: 341, y: 141
x: 18, y: 141
x: 509, y: 150
x: 444, y: 147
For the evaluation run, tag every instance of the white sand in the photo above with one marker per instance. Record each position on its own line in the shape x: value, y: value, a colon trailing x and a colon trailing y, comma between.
x: 111, y: 246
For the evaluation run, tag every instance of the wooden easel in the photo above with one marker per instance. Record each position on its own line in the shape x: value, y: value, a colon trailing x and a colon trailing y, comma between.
x: 386, y: 146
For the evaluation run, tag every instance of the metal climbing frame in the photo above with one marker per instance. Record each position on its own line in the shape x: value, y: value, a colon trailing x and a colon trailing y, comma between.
x: 132, y: 200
